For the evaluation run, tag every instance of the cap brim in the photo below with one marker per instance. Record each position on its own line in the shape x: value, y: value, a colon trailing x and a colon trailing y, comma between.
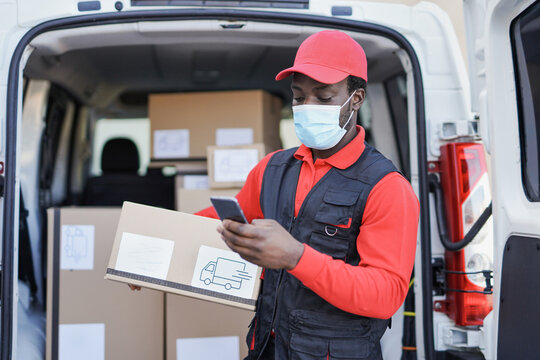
x: 319, y: 73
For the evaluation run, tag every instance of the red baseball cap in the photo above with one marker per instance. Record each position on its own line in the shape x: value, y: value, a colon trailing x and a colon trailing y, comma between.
x: 328, y: 56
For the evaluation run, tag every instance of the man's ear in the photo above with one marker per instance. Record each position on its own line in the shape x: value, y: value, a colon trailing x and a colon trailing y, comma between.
x: 358, y: 99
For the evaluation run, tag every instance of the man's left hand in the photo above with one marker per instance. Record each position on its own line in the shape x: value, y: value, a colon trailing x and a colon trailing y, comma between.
x: 263, y: 242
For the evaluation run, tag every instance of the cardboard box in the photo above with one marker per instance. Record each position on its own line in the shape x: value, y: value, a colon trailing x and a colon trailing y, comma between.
x: 87, y: 314
x: 192, y: 200
x: 186, y: 166
x: 192, y: 181
x: 188, y: 319
x: 229, y: 166
x: 183, y: 124
x: 182, y: 254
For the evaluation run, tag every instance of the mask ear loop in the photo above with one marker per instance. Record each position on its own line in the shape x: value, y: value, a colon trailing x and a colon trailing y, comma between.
x: 350, y: 117
x: 352, y: 112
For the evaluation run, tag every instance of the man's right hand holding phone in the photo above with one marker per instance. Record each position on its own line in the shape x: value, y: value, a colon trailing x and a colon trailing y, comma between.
x: 263, y: 242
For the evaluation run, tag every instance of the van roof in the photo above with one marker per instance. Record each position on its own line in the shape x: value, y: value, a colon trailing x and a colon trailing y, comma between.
x: 115, y: 66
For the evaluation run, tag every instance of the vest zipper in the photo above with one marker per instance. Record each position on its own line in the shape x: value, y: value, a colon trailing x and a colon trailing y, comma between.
x: 291, y: 225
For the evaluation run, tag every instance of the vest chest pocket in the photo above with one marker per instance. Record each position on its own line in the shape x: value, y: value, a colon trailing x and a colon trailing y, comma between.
x: 303, y: 347
x: 337, y: 208
x: 334, y: 233
x: 336, y: 247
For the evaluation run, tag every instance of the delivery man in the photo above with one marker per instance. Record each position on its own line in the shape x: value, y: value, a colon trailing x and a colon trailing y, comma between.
x: 333, y: 223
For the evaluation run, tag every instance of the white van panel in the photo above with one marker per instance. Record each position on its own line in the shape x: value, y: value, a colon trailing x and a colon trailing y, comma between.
x: 513, y: 213
x: 8, y: 13
x: 446, y: 89
x: 28, y: 16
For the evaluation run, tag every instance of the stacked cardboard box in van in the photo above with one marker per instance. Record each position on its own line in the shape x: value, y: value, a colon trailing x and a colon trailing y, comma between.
x: 231, y: 131
x: 229, y: 166
x: 183, y: 124
x: 89, y: 317
x: 195, y: 327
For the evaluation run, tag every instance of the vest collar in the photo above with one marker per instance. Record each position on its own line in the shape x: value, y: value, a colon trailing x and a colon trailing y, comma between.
x: 344, y: 158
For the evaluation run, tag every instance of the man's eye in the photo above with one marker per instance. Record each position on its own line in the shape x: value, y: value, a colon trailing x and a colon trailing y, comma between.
x: 298, y: 99
x: 325, y: 99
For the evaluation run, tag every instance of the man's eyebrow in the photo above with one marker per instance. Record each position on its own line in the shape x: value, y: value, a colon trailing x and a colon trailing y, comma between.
x: 323, y: 86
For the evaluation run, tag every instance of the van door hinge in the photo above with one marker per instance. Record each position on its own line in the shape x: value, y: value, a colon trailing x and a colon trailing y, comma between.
x: 454, y: 337
x: 438, y: 276
x: 451, y: 130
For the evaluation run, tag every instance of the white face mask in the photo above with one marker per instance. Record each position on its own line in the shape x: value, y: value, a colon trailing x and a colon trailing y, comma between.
x: 317, y: 126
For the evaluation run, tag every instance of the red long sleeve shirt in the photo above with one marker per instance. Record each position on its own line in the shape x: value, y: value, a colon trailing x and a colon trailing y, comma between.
x: 378, y: 285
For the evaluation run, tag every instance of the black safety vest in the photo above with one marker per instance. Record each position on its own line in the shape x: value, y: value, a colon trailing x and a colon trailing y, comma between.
x: 306, y: 326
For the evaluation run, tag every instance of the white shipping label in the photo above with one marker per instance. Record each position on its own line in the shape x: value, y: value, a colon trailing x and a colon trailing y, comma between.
x: 234, y: 136
x: 196, y: 182
x: 225, y: 272
x: 171, y: 144
x: 222, y: 348
x: 234, y: 164
x: 77, y: 247
x: 144, y: 255
x: 81, y: 342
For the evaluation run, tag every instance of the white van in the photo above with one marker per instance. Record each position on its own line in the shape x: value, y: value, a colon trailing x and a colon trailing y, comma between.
x: 67, y: 65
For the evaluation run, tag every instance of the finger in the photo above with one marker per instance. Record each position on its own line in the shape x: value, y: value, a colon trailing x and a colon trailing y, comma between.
x: 238, y: 240
x: 263, y: 222
x: 245, y: 230
x: 240, y: 250
x: 245, y: 253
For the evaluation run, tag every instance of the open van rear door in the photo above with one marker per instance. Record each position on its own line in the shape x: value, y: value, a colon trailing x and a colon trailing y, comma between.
x: 504, y: 67
x: 13, y: 26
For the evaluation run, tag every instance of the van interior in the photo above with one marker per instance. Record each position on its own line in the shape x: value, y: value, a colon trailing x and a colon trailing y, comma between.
x: 85, y: 86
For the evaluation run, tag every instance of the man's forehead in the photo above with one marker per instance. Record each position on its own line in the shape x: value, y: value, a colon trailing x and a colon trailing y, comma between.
x: 300, y: 80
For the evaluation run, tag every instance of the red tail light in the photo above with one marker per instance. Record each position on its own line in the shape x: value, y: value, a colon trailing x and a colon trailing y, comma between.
x: 464, y: 180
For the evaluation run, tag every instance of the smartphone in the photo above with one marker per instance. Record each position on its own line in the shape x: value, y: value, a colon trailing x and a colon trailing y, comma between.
x: 227, y: 207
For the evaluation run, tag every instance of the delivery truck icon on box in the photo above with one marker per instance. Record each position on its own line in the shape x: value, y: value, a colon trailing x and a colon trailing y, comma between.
x: 225, y: 272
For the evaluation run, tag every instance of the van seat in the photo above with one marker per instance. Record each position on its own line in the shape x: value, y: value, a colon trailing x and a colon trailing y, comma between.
x: 120, y: 181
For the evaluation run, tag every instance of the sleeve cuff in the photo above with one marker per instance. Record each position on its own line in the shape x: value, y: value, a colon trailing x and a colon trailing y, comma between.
x: 304, y: 270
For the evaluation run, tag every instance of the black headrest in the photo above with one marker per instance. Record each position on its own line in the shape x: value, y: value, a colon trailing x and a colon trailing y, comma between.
x: 120, y: 155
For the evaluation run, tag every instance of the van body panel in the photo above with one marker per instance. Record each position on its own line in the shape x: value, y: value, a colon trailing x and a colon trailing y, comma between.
x: 494, y: 97
x: 9, y: 37
x: 29, y: 17
x: 8, y: 15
